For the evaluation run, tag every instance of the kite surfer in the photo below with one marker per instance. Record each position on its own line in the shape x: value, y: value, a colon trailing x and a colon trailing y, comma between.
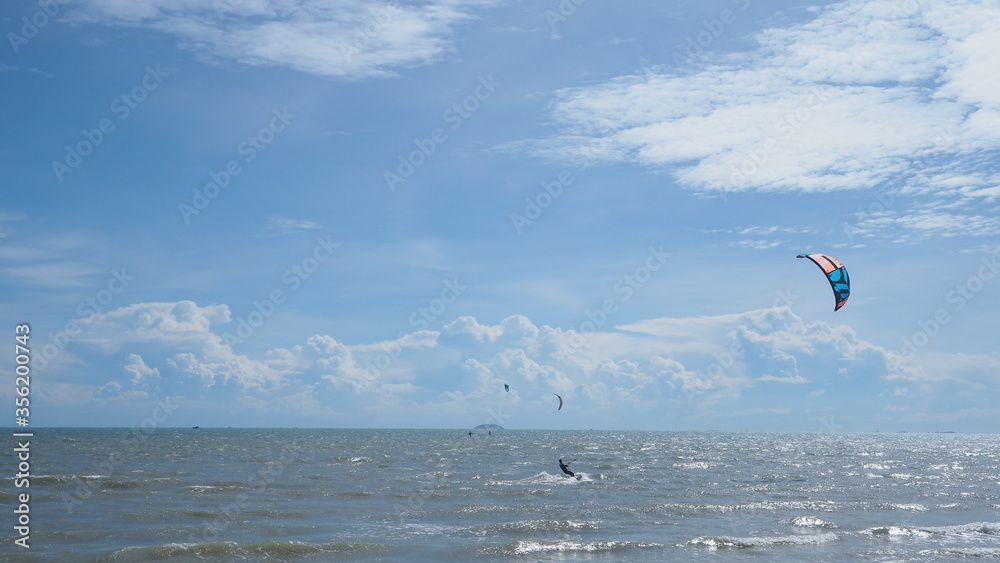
x: 565, y: 468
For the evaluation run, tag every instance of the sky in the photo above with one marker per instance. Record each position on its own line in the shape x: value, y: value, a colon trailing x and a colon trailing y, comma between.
x: 346, y: 213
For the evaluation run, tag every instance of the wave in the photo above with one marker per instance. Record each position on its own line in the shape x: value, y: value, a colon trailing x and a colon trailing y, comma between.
x: 527, y: 547
x: 528, y: 526
x: 967, y: 552
x: 897, y: 531
x: 693, y: 465
x: 101, y: 482
x: 750, y: 507
x: 59, y: 479
x: 810, y: 522
x: 975, y: 528
x: 723, y: 542
x: 229, y: 549
x: 350, y: 494
x: 198, y: 489
x: 546, y: 478
x: 487, y: 509
x: 913, y: 507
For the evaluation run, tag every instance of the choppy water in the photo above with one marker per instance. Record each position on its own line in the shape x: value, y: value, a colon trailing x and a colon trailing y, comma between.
x: 441, y: 495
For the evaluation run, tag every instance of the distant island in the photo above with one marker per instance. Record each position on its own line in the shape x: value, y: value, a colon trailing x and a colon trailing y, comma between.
x: 488, y: 427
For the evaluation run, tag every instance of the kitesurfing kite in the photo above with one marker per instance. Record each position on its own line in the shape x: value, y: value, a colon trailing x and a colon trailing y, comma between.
x: 506, y: 387
x: 836, y: 273
x: 560, y: 401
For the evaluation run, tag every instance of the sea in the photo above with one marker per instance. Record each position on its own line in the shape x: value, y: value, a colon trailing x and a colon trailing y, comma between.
x: 444, y: 495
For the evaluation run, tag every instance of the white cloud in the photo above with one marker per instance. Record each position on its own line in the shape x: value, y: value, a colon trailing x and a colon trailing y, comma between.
x: 180, y: 322
x: 182, y: 333
x: 140, y: 372
x: 695, y: 367
x: 928, y: 224
x: 49, y: 261
x: 279, y: 225
x: 866, y: 93
x: 341, y: 38
x: 53, y: 274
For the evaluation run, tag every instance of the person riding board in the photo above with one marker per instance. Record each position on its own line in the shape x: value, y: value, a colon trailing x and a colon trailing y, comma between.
x: 565, y: 468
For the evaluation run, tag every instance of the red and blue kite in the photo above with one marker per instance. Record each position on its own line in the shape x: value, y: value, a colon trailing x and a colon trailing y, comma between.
x: 836, y: 273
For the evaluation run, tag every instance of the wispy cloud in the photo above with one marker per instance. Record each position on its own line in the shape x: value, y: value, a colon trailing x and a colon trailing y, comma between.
x: 278, y: 225
x: 53, y: 274
x: 928, y: 224
x: 350, y: 39
x: 860, y: 95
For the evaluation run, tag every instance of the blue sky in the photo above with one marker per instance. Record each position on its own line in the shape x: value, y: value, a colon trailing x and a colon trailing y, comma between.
x: 356, y: 214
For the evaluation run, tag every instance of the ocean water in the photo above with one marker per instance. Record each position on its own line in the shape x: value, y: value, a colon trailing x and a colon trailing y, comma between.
x: 442, y: 495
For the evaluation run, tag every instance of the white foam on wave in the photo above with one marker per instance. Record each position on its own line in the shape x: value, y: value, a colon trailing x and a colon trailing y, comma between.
x: 546, y: 478
x: 572, y: 546
x: 727, y: 542
x: 903, y: 531
x: 898, y: 531
x: 533, y: 526
x: 963, y: 552
x: 811, y: 522
x: 426, y: 529
x: 875, y: 466
x: 985, y: 528
x: 913, y: 506
x: 231, y: 550
x: 693, y: 465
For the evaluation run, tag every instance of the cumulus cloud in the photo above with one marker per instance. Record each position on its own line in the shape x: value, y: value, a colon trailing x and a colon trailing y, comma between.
x: 767, y: 360
x: 141, y: 373
x: 176, y: 322
x: 183, y: 329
